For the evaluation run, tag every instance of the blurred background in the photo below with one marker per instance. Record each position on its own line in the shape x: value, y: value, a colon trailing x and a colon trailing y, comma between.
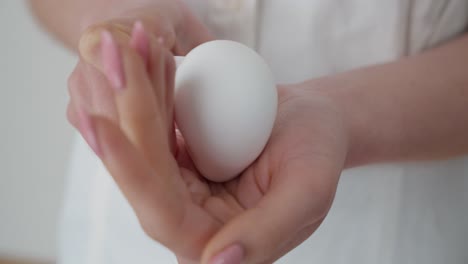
x: 35, y: 136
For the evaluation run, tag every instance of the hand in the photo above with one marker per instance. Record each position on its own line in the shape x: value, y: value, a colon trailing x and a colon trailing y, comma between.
x: 169, y: 22
x: 273, y: 206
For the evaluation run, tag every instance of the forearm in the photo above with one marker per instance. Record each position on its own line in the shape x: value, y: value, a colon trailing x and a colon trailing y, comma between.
x: 412, y: 109
x: 66, y: 19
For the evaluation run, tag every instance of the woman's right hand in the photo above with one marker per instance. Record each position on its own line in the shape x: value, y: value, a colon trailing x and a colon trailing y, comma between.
x: 169, y: 22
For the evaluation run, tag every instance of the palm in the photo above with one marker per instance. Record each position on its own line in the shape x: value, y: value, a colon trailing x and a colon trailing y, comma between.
x: 288, y: 144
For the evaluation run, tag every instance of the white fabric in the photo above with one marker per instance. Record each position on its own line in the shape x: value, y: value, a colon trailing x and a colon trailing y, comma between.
x: 400, y: 213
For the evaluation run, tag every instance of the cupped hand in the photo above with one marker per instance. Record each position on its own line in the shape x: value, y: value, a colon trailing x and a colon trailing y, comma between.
x: 274, y: 205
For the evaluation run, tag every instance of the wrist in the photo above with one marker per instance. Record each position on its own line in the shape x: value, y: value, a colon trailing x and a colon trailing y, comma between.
x: 320, y: 118
x: 367, y: 140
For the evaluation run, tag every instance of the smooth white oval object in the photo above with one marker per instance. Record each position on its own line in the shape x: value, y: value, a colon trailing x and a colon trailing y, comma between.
x: 225, y: 107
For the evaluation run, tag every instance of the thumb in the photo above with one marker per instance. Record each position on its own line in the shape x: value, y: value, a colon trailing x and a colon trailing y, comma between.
x: 175, y: 27
x: 121, y: 30
x: 296, y: 204
x: 90, y: 42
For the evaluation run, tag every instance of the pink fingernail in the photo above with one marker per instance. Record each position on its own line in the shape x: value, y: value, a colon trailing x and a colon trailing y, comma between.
x: 231, y: 255
x: 88, y: 131
x: 140, y: 41
x: 112, y: 61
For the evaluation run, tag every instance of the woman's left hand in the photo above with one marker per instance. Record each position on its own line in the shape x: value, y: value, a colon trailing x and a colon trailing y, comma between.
x: 273, y: 206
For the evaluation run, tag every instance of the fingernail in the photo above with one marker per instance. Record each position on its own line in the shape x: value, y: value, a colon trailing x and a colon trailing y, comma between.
x: 88, y: 131
x: 112, y: 61
x: 140, y: 41
x: 231, y: 255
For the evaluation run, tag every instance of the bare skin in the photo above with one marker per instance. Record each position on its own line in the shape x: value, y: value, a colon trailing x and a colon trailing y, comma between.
x: 412, y: 109
x: 136, y: 149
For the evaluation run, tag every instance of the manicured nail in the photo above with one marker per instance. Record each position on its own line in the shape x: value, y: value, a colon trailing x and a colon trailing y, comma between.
x: 112, y: 61
x: 88, y: 131
x: 231, y: 255
x: 140, y: 41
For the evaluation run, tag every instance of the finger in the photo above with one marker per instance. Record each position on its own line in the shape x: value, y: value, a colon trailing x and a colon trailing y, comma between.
x: 140, y: 41
x: 78, y: 87
x: 166, y: 94
x: 72, y: 84
x: 144, y: 122
x: 90, y: 42
x: 90, y: 90
x: 169, y: 78
x: 71, y: 115
x: 161, y: 73
x: 261, y: 232
x: 177, y: 26
x: 156, y: 202
x: 80, y: 95
x: 102, y: 95
x: 121, y: 29
x: 162, y: 209
x: 141, y: 118
x: 158, y: 25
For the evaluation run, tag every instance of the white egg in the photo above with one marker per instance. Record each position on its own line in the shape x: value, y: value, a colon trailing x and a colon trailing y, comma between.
x: 225, y: 107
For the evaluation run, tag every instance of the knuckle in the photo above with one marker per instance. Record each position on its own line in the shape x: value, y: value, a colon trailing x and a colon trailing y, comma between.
x: 73, y: 76
x: 71, y: 116
x: 76, y: 79
x: 323, y: 201
x: 72, y: 82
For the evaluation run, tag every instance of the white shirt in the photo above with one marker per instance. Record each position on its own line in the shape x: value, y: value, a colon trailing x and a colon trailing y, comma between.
x: 398, y: 213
